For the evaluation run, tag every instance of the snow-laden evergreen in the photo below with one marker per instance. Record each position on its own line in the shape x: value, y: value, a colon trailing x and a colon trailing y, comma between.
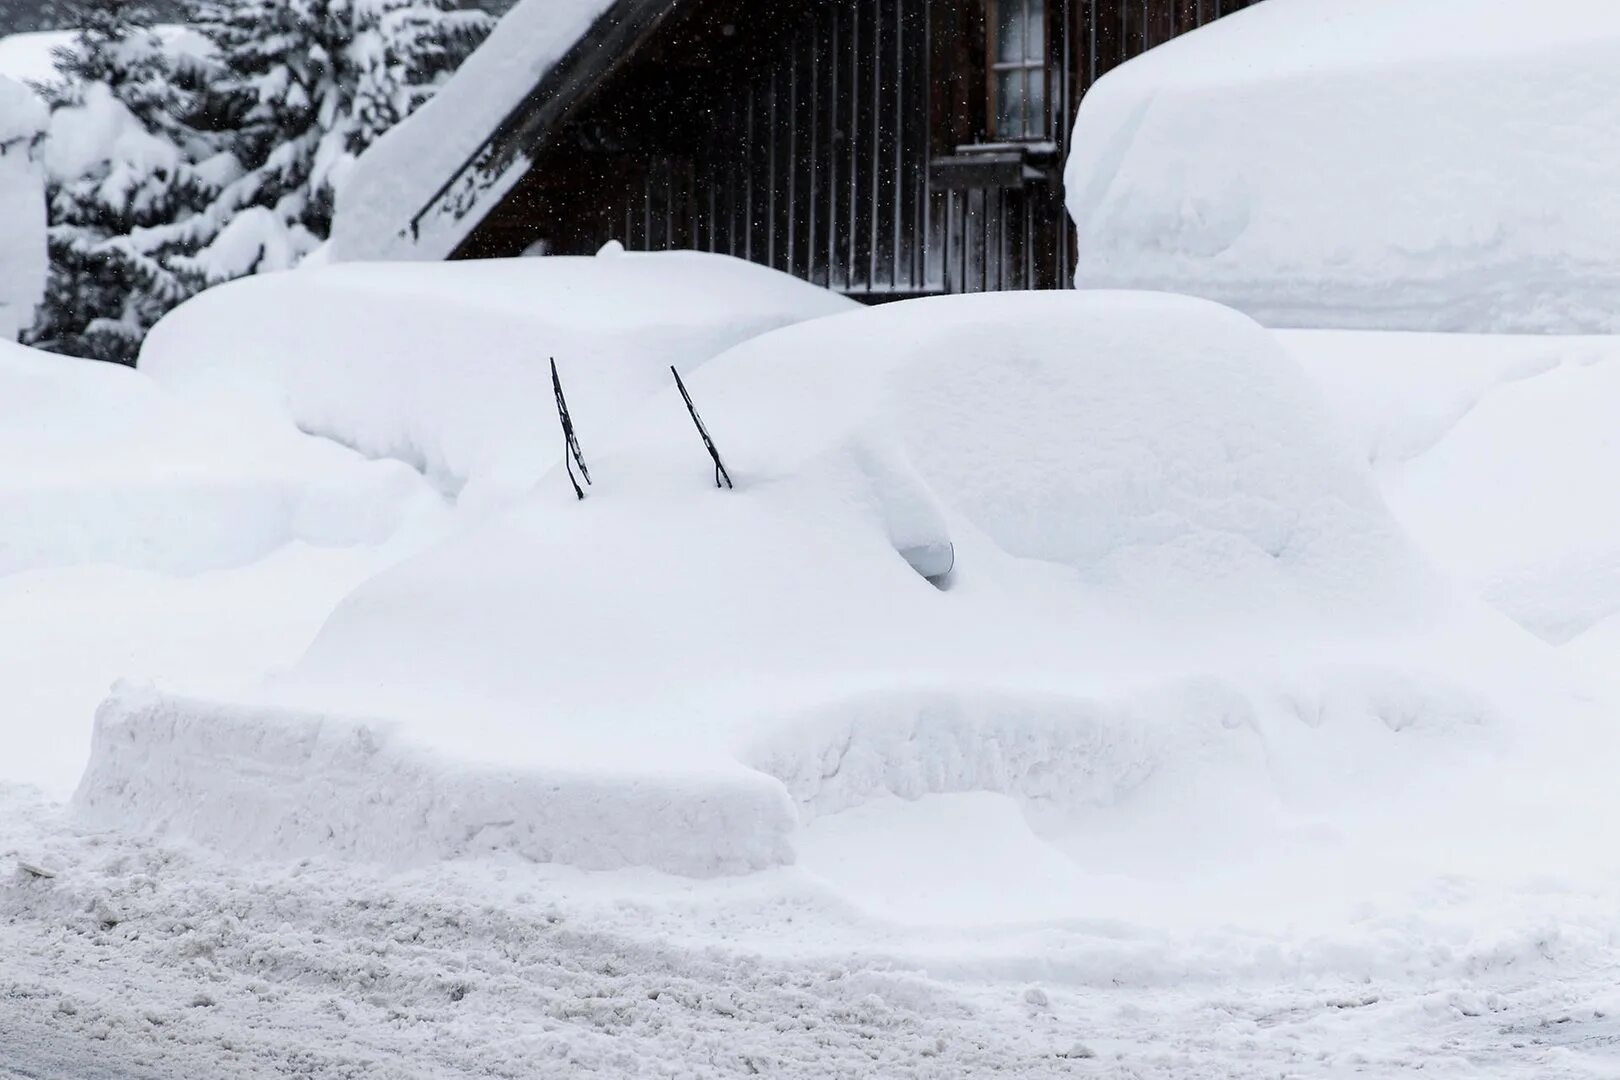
x: 306, y: 86
x: 178, y: 162
x: 127, y: 151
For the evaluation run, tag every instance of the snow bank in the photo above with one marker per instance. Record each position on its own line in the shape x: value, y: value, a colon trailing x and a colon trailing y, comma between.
x: 345, y: 788
x: 1497, y: 454
x: 444, y: 366
x: 1380, y: 164
x: 118, y: 471
x: 28, y: 58
x: 398, y: 175
x: 140, y: 536
x: 1171, y: 576
x: 22, y: 208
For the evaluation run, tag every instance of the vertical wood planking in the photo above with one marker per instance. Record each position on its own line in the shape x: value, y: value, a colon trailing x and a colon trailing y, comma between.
x: 852, y: 218
x: 815, y: 159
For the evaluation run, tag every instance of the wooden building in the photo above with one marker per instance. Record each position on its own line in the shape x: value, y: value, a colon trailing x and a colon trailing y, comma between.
x: 883, y: 148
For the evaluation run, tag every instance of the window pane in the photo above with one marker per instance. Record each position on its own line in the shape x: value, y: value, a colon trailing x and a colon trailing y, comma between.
x: 1010, y: 103
x: 1035, y: 48
x: 1009, y: 30
x: 1036, y: 122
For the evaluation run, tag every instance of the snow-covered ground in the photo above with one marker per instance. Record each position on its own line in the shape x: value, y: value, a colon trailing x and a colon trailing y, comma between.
x: 1496, y: 453
x: 143, y: 959
x: 1205, y: 759
x: 142, y: 537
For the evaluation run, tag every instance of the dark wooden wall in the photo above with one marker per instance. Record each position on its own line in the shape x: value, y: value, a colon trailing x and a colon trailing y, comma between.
x: 810, y: 140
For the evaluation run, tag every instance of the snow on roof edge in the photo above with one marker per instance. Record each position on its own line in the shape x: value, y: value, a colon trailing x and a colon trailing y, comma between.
x: 405, y: 170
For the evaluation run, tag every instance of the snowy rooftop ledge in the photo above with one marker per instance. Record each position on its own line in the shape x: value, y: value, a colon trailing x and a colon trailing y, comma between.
x: 397, y: 177
x: 1175, y: 589
x: 1379, y: 164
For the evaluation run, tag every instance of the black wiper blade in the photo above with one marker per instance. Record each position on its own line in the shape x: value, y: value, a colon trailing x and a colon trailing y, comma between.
x: 571, y: 451
x: 719, y: 466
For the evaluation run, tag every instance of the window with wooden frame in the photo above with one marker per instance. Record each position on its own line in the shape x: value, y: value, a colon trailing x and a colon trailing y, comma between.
x: 1018, y: 97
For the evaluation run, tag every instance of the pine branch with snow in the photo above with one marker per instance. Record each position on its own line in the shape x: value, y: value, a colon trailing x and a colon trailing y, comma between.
x: 307, y: 85
x: 127, y: 150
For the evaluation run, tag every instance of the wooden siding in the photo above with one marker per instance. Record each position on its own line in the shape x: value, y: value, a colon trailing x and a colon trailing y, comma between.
x: 807, y: 141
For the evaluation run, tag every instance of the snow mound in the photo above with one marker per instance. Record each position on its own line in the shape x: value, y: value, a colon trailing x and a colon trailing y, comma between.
x: 1497, y: 454
x: 345, y: 788
x: 1171, y: 576
x: 28, y: 58
x: 399, y: 174
x: 31, y: 57
x: 119, y: 471
x: 22, y: 208
x: 444, y: 366
x: 1376, y: 164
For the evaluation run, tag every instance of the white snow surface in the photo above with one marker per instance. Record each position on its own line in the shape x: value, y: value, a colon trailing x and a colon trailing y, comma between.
x: 1178, y: 600
x: 1377, y: 164
x: 1161, y: 782
x: 22, y: 208
x: 398, y: 175
x: 1496, y: 453
x: 444, y: 366
x: 140, y: 537
x: 28, y: 57
x: 120, y: 471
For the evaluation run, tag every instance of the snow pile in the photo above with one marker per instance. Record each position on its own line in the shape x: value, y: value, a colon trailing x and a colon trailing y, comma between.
x: 444, y: 366
x: 400, y: 174
x: 1497, y: 454
x: 29, y: 58
x: 101, y: 137
x: 22, y: 208
x: 140, y: 537
x: 119, y: 471
x: 1173, y: 587
x: 1383, y: 164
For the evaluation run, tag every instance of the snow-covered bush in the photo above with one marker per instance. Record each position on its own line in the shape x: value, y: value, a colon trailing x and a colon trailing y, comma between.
x: 179, y: 161
x: 125, y: 154
x: 305, y: 86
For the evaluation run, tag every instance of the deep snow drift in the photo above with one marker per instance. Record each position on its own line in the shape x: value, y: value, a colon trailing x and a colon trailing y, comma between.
x: 140, y: 537
x: 1497, y: 454
x: 22, y: 208
x: 1444, y: 165
x: 121, y: 471
x: 444, y: 366
x: 1178, y: 600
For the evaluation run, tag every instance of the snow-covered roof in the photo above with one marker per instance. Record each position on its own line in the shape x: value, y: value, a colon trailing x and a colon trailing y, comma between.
x: 1387, y: 164
x: 378, y: 205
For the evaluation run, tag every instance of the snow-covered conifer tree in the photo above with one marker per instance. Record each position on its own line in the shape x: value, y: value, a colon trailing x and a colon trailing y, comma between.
x: 123, y: 158
x: 307, y: 85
